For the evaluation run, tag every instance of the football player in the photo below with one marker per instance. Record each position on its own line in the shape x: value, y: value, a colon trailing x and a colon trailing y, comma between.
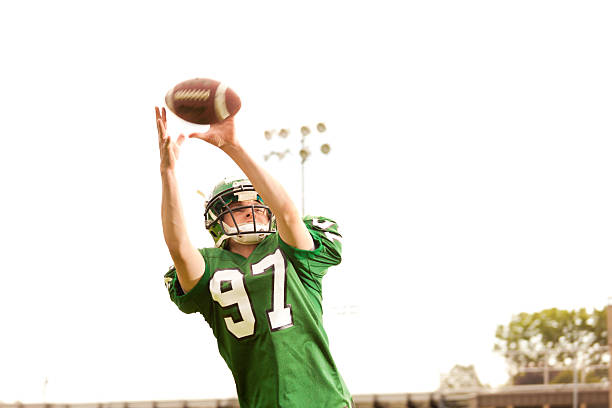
x: 259, y: 288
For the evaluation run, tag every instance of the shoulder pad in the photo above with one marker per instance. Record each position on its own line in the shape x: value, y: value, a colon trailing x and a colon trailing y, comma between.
x: 328, y: 227
x: 169, y: 276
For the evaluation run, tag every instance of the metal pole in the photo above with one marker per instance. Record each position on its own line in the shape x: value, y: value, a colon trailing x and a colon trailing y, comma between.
x: 575, y: 392
x: 546, y: 379
x: 303, y: 188
x: 609, y: 312
x: 303, y: 161
x: 45, y: 384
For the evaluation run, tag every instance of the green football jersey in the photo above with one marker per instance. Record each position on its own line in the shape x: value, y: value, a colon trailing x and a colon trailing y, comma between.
x: 266, y: 313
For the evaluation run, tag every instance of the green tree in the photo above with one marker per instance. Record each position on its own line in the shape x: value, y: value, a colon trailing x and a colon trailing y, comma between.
x: 555, y: 337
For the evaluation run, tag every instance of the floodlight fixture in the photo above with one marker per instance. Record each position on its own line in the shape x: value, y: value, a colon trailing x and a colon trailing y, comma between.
x: 304, y: 153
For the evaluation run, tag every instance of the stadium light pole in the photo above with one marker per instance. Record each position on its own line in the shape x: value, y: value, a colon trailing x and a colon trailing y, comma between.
x: 575, y: 387
x: 609, y: 317
x: 304, y: 151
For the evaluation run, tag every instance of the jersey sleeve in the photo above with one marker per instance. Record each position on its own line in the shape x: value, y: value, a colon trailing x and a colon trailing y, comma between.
x: 311, y: 266
x: 186, y: 302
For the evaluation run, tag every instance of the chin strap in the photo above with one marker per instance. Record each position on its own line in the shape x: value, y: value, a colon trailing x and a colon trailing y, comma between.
x: 245, y: 233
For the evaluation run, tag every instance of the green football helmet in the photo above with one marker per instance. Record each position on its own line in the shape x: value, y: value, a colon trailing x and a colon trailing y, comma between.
x: 225, y: 193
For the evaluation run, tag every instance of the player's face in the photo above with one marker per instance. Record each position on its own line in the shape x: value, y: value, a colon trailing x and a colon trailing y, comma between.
x: 244, y: 215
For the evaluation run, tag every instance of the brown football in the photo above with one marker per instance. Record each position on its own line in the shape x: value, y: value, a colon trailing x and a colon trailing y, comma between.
x: 202, y: 101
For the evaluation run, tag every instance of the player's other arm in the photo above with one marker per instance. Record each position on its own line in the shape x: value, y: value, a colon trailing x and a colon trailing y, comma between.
x: 187, y: 259
x: 289, y: 222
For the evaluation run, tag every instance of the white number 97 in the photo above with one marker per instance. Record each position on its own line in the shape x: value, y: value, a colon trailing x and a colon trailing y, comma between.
x: 234, y: 293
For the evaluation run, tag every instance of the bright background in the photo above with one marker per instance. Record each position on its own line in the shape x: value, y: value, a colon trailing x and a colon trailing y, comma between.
x: 470, y: 175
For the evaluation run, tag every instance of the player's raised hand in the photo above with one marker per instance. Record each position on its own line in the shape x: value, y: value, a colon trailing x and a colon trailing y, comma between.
x: 221, y: 134
x: 168, y: 149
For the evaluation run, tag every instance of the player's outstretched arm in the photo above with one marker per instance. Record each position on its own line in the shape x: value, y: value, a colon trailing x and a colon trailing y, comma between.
x: 187, y: 259
x: 289, y: 222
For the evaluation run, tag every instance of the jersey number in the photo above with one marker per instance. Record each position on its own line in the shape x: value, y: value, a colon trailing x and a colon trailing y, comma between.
x: 228, y: 289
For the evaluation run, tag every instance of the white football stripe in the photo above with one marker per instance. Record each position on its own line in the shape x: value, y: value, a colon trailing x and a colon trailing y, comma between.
x: 220, y: 105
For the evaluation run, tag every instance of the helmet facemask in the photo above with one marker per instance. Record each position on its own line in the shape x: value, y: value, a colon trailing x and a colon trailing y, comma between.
x: 250, y: 232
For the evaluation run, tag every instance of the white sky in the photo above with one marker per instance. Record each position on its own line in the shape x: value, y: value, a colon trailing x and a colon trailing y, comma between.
x: 470, y: 175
